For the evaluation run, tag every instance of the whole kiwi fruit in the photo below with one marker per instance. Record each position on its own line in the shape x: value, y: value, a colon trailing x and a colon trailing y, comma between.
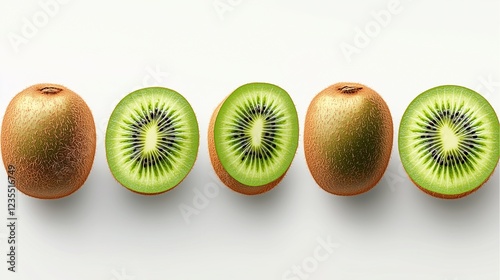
x: 348, y: 135
x: 49, y: 138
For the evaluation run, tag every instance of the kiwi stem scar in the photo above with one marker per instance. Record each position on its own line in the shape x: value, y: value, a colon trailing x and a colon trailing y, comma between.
x: 50, y: 90
x: 350, y: 89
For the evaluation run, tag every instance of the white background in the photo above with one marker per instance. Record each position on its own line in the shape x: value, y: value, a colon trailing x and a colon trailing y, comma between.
x: 103, y: 50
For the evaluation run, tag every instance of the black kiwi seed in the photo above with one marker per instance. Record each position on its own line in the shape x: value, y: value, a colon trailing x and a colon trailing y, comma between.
x: 167, y: 133
x: 462, y: 124
x: 244, y: 122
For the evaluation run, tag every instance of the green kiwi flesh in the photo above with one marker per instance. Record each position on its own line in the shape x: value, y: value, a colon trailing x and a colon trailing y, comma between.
x: 256, y: 134
x: 449, y: 141
x: 152, y: 140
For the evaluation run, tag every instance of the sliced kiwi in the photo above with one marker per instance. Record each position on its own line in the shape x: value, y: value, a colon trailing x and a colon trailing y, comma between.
x: 254, y: 137
x: 152, y: 140
x: 449, y: 141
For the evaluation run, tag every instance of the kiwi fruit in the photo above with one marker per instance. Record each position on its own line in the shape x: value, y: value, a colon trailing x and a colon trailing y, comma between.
x: 253, y: 137
x: 49, y: 138
x: 449, y: 141
x: 348, y: 135
x: 152, y: 140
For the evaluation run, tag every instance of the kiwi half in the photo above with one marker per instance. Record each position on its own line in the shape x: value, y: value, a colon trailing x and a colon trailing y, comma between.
x: 49, y: 138
x: 449, y: 141
x: 152, y: 140
x: 253, y: 137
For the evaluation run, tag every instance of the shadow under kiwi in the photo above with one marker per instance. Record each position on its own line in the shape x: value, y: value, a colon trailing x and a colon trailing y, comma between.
x: 367, y: 205
x: 68, y: 210
x: 466, y: 212
x: 157, y: 207
x: 61, y: 221
x: 264, y: 208
x: 370, y: 208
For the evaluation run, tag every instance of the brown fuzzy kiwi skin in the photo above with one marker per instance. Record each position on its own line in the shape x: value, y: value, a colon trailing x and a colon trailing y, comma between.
x: 223, y: 175
x: 348, y: 136
x: 49, y: 136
